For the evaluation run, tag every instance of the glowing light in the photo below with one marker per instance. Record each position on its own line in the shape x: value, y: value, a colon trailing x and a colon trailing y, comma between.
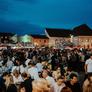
x: 36, y: 44
x: 25, y: 38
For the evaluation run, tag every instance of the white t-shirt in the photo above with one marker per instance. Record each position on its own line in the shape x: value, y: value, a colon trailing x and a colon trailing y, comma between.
x: 17, y: 80
x: 89, y: 65
x: 27, y: 61
x: 59, y: 88
x: 23, y: 69
x: 33, y: 72
x: 9, y: 64
x: 51, y: 81
x: 39, y: 67
x: 15, y: 68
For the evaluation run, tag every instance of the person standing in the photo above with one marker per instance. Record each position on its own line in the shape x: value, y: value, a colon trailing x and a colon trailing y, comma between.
x: 27, y: 82
x: 10, y: 86
x: 33, y: 71
x: 59, y: 85
x: 51, y: 81
x: 87, y: 85
x: 88, y: 66
x: 73, y: 83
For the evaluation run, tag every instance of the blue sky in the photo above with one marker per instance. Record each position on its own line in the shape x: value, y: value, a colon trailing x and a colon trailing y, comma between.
x: 33, y: 16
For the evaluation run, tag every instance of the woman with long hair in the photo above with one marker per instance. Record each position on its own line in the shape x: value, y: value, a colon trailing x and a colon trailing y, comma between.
x: 10, y: 86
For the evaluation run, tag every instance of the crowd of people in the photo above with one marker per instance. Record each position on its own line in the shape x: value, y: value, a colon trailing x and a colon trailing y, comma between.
x: 45, y: 70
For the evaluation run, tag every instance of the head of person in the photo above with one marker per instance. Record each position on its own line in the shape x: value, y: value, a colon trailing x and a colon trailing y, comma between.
x: 22, y: 87
x: 18, y: 62
x: 32, y: 63
x: 16, y: 73
x: 9, y: 80
x: 24, y: 75
x: 91, y: 56
x: 90, y: 77
x: 44, y: 73
x: 60, y: 80
x: 40, y: 85
x: 58, y: 70
x: 66, y: 89
x: 73, y: 78
x: 88, y: 88
x: 5, y: 75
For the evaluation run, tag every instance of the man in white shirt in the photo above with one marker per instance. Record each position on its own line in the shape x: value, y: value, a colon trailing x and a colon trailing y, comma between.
x: 33, y: 71
x: 27, y: 61
x: 50, y: 80
x: 59, y: 85
x: 17, y: 78
x: 9, y: 63
x: 39, y: 66
x: 88, y: 65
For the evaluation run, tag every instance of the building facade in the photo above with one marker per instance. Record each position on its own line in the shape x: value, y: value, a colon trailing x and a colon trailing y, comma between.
x: 58, y: 38
x: 6, y: 38
x: 80, y: 36
x: 83, y: 36
x: 40, y: 40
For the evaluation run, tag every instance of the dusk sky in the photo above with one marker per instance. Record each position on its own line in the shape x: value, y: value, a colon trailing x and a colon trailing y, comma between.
x: 32, y: 16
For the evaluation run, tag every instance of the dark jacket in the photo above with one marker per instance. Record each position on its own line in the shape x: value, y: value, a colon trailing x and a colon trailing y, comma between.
x: 74, y: 88
x: 28, y: 85
x: 11, y: 88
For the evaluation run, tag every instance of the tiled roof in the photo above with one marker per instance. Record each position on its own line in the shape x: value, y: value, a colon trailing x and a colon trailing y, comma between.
x: 6, y: 34
x: 82, y: 30
x: 40, y: 36
x: 58, y: 32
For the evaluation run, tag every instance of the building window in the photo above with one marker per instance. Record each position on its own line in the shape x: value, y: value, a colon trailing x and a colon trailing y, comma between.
x: 1, y: 37
x: 44, y: 41
x: 6, y: 37
x: 40, y: 40
x: 88, y: 40
x: 91, y: 44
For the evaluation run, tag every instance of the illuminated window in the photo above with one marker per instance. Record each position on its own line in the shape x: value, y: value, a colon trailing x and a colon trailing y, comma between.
x: 88, y: 40
x: 40, y: 40
x: 6, y: 37
x: 1, y: 37
x: 25, y: 38
x: 44, y: 41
